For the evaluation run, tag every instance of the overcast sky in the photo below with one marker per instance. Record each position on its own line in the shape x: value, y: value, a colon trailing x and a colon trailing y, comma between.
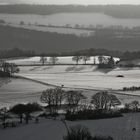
x: 85, y: 2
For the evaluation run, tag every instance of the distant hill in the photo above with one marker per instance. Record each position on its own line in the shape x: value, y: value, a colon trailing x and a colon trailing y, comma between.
x: 45, y: 42
x: 118, y: 11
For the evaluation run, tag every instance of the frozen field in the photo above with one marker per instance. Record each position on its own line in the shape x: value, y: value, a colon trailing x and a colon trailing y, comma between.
x: 118, y: 128
x: 13, y: 91
x: 19, y: 90
x: 84, y: 77
x: 87, y: 77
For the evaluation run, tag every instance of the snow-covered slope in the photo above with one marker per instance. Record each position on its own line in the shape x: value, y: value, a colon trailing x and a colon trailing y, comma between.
x: 61, y: 60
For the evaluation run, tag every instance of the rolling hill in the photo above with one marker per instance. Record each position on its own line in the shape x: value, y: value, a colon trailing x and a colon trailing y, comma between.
x: 46, y: 42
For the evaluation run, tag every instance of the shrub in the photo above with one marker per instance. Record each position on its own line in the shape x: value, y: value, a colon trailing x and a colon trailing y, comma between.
x: 82, y: 133
x: 78, y: 133
x: 102, y: 138
x: 88, y: 114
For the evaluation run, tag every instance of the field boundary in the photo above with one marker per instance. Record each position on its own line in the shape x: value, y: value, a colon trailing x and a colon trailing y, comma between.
x: 87, y: 89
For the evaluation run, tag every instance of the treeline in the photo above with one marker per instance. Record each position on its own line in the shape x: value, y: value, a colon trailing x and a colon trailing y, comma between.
x: 11, y: 37
x: 126, y: 55
x: 15, y: 52
x: 118, y: 11
x: 133, y: 88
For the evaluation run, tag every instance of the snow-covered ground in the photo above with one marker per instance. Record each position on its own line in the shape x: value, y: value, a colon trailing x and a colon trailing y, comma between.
x: 118, y: 128
x: 85, y: 77
x: 61, y: 60
x: 19, y: 91
x: 88, y: 77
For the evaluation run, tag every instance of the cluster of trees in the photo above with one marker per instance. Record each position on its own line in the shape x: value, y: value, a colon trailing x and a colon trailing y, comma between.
x: 78, y: 58
x: 76, y: 103
x: 53, y: 98
x: 133, y: 88
x: 131, y: 107
x: 106, y: 62
x: 52, y: 60
x: 8, y: 69
x: 11, y: 37
x: 23, y: 111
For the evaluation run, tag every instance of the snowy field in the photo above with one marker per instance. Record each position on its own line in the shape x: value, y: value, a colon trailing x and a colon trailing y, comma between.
x: 61, y: 60
x: 86, y: 77
x: 13, y: 91
x: 118, y: 128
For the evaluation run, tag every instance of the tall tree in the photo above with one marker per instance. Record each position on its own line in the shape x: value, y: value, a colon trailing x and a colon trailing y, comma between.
x: 85, y: 59
x: 53, y: 60
x: 53, y: 97
x: 43, y: 60
x: 73, y: 99
x: 111, y: 62
x: 77, y: 58
x: 3, y: 116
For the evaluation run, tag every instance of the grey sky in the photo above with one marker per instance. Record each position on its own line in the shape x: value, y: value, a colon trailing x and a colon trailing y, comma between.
x: 85, y: 2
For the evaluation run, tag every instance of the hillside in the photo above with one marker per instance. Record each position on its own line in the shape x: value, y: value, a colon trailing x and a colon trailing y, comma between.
x: 118, y: 11
x: 11, y: 37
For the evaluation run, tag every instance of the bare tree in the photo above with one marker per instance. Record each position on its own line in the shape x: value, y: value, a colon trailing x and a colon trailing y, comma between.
x: 10, y: 68
x: 77, y: 58
x: 47, y: 97
x: 53, y: 97
x: 111, y: 62
x: 3, y: 116
x: 43, y: 60
x: 13, y: 68
x: 85, y: 58
x: 73, y: 99
x: 104, y: 101
x: 53, y: 60
x: 102, y: 60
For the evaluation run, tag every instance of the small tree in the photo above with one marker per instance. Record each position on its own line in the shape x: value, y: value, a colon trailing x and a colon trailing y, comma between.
x: 25, y: 109
x: 30, y: 108
x: 10, y: 68
x: 134, y: 104
x: 78, y: 133
x: 13, y: 68
x: 53, y: 60
x: 18, y: 109
x: 43, y: 60
x: 77, y: 58
x: 111, y: 62
x: 3, y: 116
x: 85, y: 59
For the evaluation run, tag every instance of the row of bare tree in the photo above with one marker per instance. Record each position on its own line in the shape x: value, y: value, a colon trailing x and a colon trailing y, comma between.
x: 9, y: 68
x: 77, y: 58
x: 74, y: 100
